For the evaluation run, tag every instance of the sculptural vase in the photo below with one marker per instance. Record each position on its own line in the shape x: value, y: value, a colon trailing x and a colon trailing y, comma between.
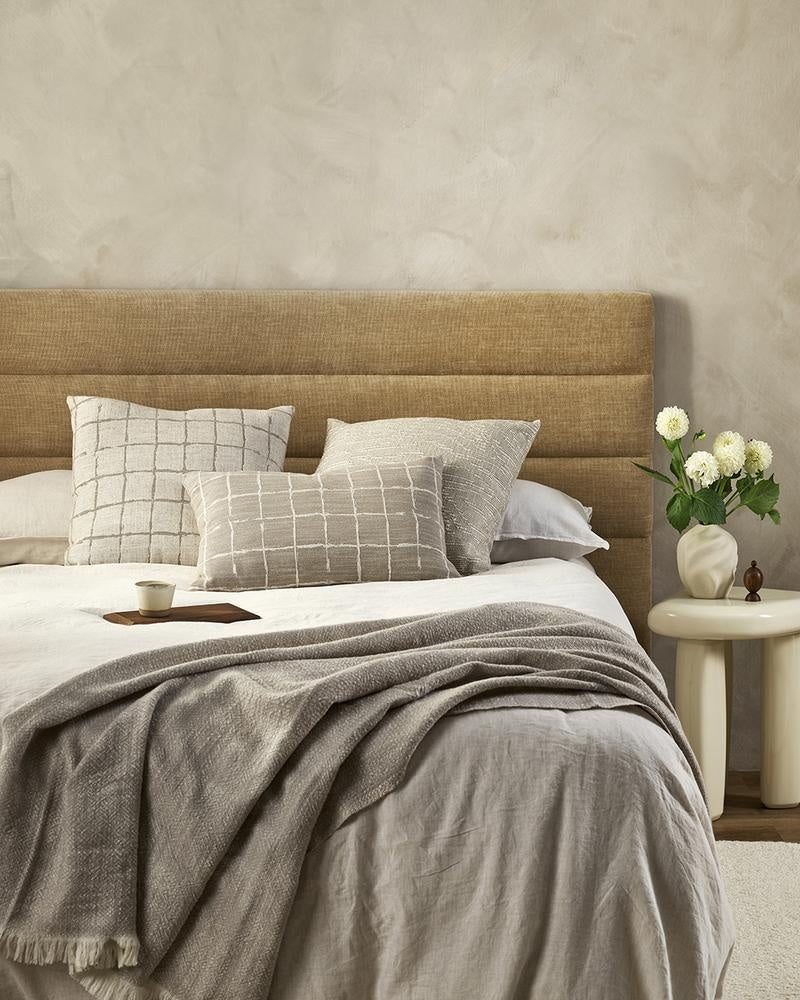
x: 707, y: 558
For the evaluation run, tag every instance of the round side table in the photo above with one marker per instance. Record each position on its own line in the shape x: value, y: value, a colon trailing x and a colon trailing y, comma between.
x: 705, y: 631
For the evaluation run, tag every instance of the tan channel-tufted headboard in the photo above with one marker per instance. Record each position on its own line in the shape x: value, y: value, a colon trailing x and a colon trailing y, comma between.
x: 581, y: 362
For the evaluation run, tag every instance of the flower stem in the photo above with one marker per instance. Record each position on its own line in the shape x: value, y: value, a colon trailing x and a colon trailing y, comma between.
x: 684, y: 479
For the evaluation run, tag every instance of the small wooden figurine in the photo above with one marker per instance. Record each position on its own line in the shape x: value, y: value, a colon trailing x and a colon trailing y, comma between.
x: 754, y: 581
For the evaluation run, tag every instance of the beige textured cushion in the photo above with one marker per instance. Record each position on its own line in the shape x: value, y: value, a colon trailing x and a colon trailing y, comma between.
x: 262, y: 530
x: 481, y: 461
x: 128, y: 464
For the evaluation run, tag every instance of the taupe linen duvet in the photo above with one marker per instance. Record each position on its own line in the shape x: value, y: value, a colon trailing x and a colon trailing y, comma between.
x: 157, y: 813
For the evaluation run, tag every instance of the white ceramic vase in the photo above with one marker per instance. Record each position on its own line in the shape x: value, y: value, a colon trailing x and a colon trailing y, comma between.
x: 707, y: 557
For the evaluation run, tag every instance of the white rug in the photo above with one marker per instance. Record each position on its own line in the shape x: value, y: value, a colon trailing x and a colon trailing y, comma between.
x: 763, y: 881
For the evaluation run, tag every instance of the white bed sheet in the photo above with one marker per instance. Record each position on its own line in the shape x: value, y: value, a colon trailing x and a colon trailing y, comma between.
x: 51, y: 624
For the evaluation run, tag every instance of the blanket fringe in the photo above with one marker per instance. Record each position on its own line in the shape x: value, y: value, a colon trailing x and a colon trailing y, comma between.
x: 78, y: 953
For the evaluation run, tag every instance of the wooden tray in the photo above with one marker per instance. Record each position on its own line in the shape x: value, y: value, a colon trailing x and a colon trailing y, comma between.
x: 225, y: 613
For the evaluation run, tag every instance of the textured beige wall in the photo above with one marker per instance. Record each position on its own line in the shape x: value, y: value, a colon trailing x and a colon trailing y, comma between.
x: 456, y: 144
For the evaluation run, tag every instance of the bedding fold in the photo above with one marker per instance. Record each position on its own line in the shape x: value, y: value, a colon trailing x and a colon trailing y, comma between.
x: 166, y: 801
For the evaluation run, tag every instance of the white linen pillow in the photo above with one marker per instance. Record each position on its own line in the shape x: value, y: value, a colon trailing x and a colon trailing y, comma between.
x: 34, y: 517
x: 541, y: 522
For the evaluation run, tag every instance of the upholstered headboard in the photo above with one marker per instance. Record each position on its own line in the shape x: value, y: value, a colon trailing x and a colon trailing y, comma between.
x: 582, y: 362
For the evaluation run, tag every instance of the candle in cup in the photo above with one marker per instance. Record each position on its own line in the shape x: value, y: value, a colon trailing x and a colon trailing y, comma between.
x: 154, y: 598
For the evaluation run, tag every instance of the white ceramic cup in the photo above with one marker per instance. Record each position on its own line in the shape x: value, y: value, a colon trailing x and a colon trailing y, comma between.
x: 154, y: 598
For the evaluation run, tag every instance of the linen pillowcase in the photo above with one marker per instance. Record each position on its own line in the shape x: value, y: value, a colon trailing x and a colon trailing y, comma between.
x: 541, y: 522
x: 34, y: 517
x: 128, y: 464
x: 481, y: 461
x: 266, y: 529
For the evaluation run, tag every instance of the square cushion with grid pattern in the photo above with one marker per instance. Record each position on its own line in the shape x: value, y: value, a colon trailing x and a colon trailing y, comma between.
x: 260, y: 530
x: 128, y: 464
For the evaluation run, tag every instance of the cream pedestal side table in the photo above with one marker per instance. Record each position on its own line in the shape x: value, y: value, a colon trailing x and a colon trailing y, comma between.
x: 705, y: 631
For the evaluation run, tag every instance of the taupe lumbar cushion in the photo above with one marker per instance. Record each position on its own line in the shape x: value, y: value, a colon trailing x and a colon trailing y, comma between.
x: 267, y: 529
x: 481, y: 461
x: 128, y: 464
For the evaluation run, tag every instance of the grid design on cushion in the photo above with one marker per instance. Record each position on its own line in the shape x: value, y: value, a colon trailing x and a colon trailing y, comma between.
x: 128, y: 467
x: 481, y: 461
x: 262, y: 530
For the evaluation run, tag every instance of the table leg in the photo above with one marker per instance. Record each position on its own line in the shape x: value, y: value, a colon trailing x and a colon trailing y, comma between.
x: 701, y: 703
x: 728, y: 701
x: 780, y: 722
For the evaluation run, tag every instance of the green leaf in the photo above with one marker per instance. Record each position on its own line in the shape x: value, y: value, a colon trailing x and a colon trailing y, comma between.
x: 774, y: 515
x: 761, y: 496
x: 656, y: 475
x: 676, y: 465
x: 708, y: 507
x: 679, y: 511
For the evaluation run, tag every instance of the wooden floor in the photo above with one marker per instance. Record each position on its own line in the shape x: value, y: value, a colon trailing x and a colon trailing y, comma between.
x: 745, y: 818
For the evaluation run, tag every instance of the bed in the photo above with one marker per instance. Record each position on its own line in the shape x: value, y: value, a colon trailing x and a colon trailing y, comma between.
x: 503, y: 875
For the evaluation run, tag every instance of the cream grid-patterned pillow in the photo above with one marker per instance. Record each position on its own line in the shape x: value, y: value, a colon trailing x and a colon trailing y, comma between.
x: 481, y: 461
x: 128, y: 464
x: 268, y: 529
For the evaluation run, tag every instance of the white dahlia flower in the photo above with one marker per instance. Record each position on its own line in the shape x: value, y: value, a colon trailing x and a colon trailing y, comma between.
x: 757, y: 457
x: 728, y: 450
x: 702, y: 468
x: 672, y: 423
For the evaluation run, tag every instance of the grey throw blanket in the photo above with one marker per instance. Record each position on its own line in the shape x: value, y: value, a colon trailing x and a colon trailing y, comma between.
x: 156, y: 811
